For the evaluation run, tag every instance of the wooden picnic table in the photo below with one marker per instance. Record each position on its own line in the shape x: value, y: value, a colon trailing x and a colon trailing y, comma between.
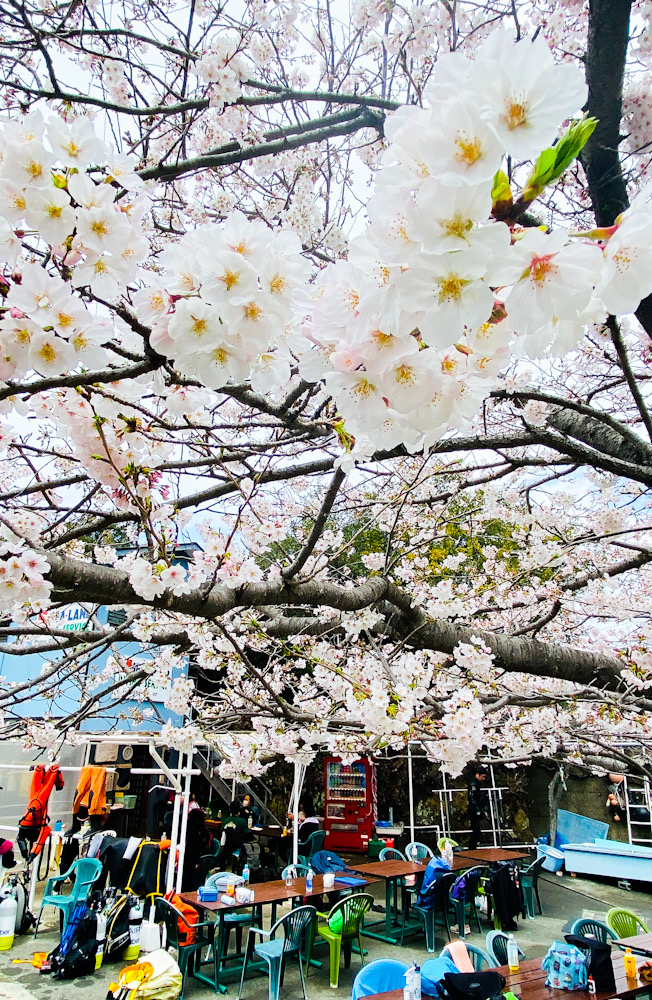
x: 529, y: 983
x: 268, y: 893
x: 492, y: 855
x: 638, y: 941
x: 391, y: 871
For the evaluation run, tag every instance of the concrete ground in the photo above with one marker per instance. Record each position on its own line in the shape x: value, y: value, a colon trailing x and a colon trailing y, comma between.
x: 563, y: 900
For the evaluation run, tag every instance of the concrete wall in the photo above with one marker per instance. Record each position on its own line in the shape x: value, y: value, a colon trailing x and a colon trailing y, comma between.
x: 586, y: 796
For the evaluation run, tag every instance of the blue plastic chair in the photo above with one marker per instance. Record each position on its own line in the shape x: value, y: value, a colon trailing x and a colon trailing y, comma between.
x: 391, y: 854
x: 423, y: 851
x: 496, y: 944
x: 478, y: 956
x: 298, y: 871
x: 276, y: 951
x: 381, y: 976
x: 586, y: 925
x: 86, y: 871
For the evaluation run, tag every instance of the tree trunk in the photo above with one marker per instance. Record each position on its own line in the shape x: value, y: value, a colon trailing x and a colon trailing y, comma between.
x: 555, y: 792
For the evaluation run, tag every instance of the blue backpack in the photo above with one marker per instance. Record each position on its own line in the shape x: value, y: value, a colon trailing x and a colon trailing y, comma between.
x: 433, y: 971
x: 435, y: 869
x: 327, y: 861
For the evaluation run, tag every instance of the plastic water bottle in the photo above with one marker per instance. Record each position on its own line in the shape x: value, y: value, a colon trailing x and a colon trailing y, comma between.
x: 245, y: 874
x: 512, y: 954
x: 309, y: 877
x: 8, y: 911
x: 288, y: 878
x: 412, y: 990
x: 414, y: 854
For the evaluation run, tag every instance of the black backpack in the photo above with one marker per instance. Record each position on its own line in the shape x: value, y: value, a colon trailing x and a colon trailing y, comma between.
x: 598, y: 960
x: 470, y: 985
x: 75, y: 954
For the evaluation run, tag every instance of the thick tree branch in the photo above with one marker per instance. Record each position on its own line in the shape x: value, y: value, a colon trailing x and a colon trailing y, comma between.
x: 170, y: 171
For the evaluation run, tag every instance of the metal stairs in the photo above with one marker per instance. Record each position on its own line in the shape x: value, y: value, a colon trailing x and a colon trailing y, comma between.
x: 207, y: 762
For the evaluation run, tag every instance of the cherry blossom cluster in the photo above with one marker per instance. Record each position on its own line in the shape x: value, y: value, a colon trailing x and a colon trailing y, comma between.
x: 48, y: 195
x: 438, y: 295
x: 22, y: 577
x: 222, y: 309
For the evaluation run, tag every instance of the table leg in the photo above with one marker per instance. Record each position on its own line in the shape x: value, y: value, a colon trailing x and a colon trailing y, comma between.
x: 389, y: 933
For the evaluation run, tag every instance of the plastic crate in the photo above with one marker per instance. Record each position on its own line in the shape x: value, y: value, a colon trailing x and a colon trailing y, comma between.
x: 129, y: 801
x: 554, y: 858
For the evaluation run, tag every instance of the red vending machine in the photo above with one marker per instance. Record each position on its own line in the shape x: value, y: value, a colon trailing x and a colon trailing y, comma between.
x: 349, y: 804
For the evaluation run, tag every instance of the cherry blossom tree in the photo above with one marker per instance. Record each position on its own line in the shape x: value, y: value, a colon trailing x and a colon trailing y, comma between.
x: 357, y: 297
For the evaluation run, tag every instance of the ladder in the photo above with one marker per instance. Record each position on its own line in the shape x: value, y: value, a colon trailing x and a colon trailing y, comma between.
x: 496, y: 830
x: 638, y: 806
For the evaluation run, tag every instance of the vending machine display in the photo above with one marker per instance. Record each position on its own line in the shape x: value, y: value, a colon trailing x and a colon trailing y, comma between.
x: 349, y: 804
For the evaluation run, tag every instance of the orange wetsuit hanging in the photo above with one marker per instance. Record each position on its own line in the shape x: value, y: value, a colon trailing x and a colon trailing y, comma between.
x: 33, y: 829
x: 91, y: 791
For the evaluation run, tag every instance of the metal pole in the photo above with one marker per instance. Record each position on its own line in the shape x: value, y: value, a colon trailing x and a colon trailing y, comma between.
x: 184, y: 821
x: 32, y: 885
x: 411, y: 792
x: 295, y: 812
x: 174, y: 833
x: 492, y: 810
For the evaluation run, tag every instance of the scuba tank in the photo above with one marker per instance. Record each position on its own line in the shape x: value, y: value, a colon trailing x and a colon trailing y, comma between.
x: 8, y: 911
x: 100, y: 937
x: 132, y: 951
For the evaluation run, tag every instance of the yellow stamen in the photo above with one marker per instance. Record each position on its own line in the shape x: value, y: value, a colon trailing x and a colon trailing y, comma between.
x: 252, y: 311
x: 47, y: 352
x: 469, y: 151
x: 515, y: 114
x: 451, y: 288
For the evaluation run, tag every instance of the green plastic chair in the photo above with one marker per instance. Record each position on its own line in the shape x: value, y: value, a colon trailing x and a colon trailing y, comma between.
x: 341, y: 928
x: 530, y: 885
x: 625, y: 923
x: 470, y: 880
x: 437, y: 896
x: 86, y: 871
x: 314, y: 843
x: 600, y: 931
x: 276, y: 951
x: 393, y: 854
x: 188, y: 955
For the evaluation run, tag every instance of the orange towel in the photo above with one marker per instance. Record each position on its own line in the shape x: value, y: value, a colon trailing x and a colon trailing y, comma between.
x: 459, y: 954
x: 91, y: 791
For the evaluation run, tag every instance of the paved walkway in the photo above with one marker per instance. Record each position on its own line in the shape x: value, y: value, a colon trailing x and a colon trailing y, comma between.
x: 563, y: 899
